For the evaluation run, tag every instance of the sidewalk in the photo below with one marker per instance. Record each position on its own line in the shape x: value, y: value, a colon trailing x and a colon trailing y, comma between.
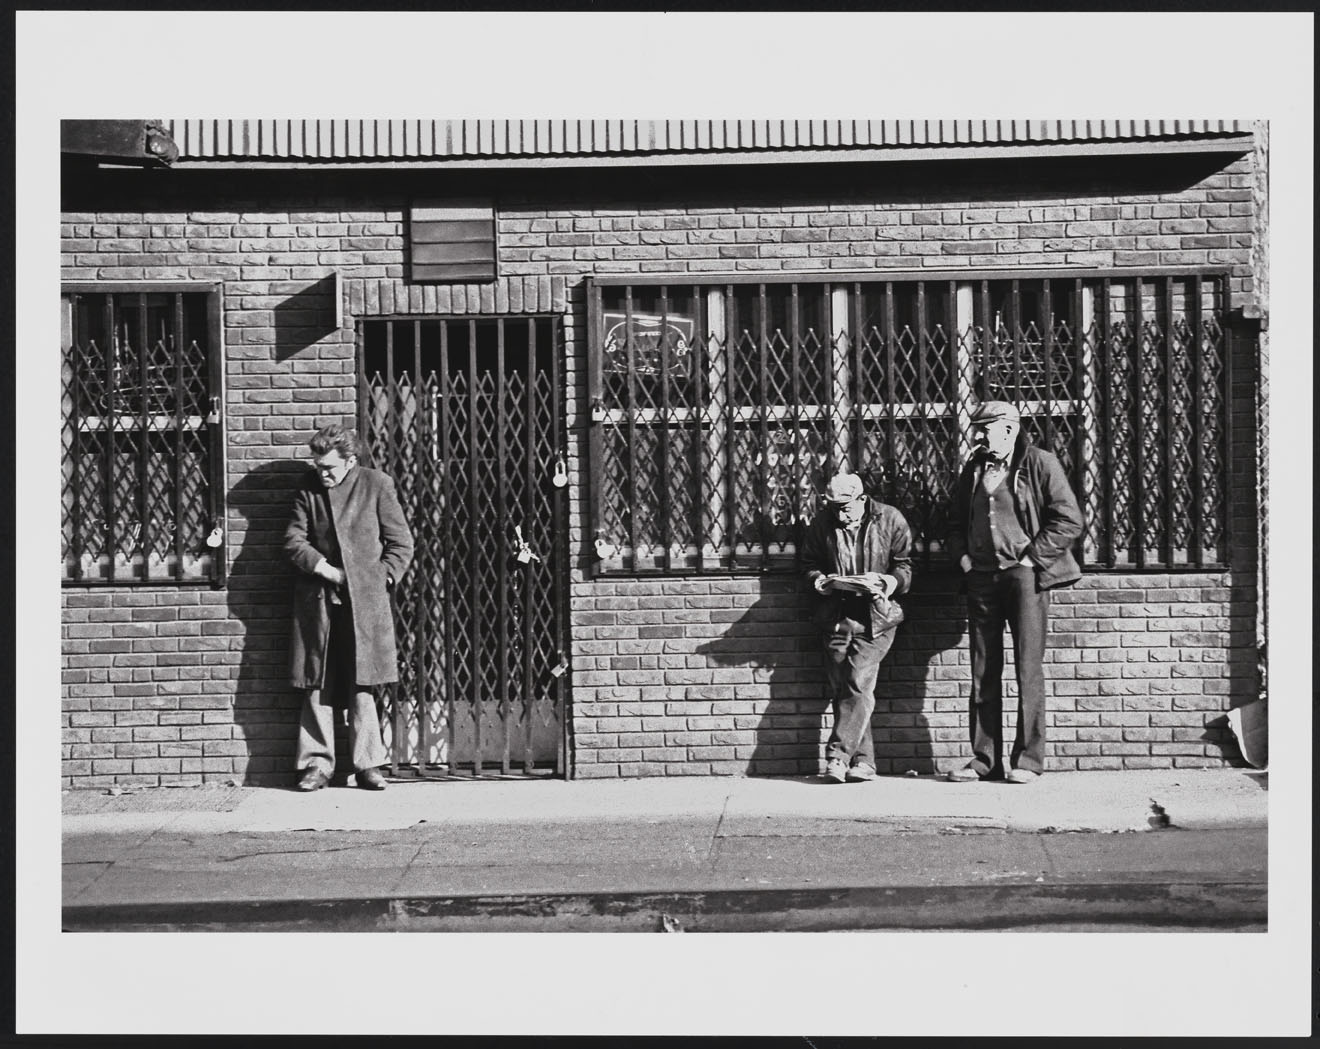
x: 1177, y: 846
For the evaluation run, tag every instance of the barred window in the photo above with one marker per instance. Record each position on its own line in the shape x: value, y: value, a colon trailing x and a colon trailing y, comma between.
x: 718, y: 411
x: 142, y: 443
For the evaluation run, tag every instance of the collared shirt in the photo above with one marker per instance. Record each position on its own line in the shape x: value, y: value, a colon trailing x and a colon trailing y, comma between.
x: 846, y: 537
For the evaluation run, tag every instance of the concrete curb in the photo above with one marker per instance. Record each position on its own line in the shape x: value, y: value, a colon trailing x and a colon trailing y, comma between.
x: 1222, y: 905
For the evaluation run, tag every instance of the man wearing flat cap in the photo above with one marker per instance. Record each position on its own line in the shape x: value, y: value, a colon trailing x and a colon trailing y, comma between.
x: 857, y: 554
x: 1014, y: 521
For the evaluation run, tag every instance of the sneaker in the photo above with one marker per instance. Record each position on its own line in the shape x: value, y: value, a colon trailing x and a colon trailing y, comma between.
x: 966, y: 774
x: 836, y: 769
x: 860, y: 773
x: 1021, y: 776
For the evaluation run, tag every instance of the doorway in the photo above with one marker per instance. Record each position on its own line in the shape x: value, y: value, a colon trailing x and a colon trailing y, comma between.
x: 466, y: 415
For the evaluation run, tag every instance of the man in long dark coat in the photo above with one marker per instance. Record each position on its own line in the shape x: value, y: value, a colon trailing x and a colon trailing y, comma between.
x: 349, y: 543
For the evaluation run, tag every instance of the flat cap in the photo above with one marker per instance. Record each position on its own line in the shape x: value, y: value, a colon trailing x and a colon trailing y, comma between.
x: 843, y: 488
x: 992, y: 411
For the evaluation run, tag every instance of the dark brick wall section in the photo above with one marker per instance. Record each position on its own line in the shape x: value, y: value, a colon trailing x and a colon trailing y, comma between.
x: 680, y: 677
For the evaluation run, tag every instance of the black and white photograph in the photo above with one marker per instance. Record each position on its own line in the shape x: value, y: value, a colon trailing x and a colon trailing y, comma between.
x: 512, y: 519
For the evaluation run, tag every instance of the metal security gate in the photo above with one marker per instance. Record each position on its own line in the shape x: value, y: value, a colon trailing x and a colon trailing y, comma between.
x: 465, y: 415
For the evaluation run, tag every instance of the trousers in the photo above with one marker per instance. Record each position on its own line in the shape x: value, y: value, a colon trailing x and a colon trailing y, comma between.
x: 993, y: 599
x: 852, y: 664
x: 316, y: 724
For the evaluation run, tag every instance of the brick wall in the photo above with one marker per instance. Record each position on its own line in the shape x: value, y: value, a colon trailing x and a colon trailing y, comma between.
x: 167, y: 686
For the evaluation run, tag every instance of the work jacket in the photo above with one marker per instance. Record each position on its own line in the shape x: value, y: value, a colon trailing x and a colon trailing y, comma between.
x: 360, y: 516
x: 1046, y: 509
x: 885, y: 545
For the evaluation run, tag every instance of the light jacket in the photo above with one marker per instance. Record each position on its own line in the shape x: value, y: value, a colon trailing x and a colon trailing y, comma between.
x: 886, y: 547
x: 375, y: 546
x: 1046, y: 511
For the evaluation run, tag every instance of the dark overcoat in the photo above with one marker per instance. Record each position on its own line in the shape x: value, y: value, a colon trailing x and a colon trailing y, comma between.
x: 358, y: 526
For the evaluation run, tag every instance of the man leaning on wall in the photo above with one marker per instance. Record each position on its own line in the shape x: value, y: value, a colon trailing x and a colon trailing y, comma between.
x: 1014, y: 521
x: 349, y: 544
x: 857, y: 555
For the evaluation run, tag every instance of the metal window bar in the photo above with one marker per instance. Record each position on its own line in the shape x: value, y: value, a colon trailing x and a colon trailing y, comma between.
x: 1077, y: 344
x: 1170, y: 331
x: 796, y: 445
x: 1226, y: 441
x: 75, y: 399
x: 1040, y: 362
x: 891, y: 348
x: 144, y: 530
x: 763, y: 377
x: 112, y: 415
x: 698, y: 347
x: 180, y: 340
x: 860, y: 392
x: 666, y: 416
x: 1047, y: 317
x: 630, y: 356
x: 1198, y: 415
x: 730, y: 431
x: 1136, y: 428
x: 1107, y: 380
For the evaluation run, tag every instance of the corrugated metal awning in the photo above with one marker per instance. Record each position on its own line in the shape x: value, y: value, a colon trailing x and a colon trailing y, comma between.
x: 459, y: 140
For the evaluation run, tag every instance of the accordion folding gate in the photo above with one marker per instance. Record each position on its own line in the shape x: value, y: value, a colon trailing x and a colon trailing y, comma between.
x: 466, y: 415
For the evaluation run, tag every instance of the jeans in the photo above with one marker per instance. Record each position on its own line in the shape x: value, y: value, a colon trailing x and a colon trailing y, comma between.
x: 316, y: 725
x: 852, y: 663
x: 993, y: 599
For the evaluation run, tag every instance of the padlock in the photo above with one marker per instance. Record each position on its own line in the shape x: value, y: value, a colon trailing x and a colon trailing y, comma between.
x: 524, y: 548
x: 215, y: 538
x: 560, y: 477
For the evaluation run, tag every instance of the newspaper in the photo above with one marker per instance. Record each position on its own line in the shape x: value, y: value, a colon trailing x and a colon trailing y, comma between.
x: 857, y: 584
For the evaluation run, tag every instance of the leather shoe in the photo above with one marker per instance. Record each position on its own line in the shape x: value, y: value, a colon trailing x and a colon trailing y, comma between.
x: 966, y: 774
x: 860, y: 773
x: 836, y: 770
x: 370, y: 779
x: 1021, y: 776
x: 312, y: 779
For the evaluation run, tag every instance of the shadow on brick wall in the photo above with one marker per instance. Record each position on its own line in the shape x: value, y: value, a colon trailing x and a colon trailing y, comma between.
x: 774, y: 636
x: 920, y: 720
x: 305, y: 317
x: 260, y: 591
